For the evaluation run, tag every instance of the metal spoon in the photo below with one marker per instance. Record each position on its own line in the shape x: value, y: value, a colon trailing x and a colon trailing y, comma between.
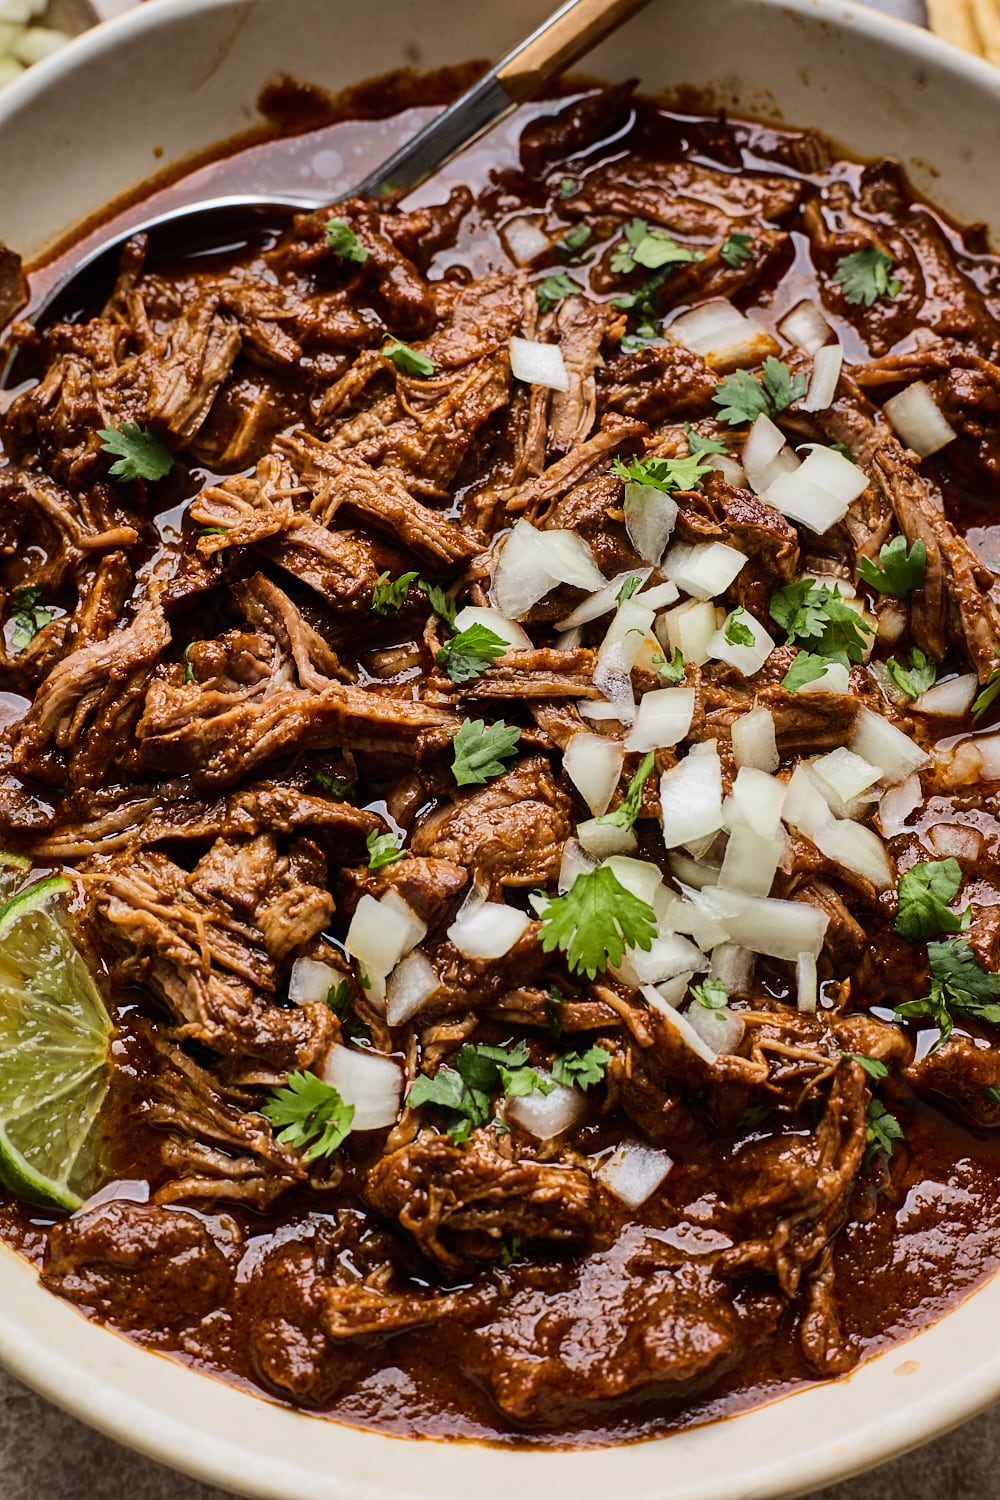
x: 569, y: 32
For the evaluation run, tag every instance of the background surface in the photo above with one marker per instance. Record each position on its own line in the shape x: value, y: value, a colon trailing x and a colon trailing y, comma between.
x: 45, y: 1455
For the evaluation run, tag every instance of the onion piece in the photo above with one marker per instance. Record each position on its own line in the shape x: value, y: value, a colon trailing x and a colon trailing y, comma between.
x: 857, y: 848
x: 680, y: 1023
x: 835, y: 678
x: 569, y: 558
x: 664, y: 959
x: 373, y: 1084
x: 918, y: 420
x: 757, y: 800
x: 649, y: 520
x: 574, y: 862
x: 600, y: 840
x: 507, y: 630
x: 605, y: 600
x: 765, y: 924
x: 746, y: 659
x: 827, y: 365
x: 725, y: 338
x: 843, y: 777
x: 820, y: 492
x: 593, y: 764
x: 951, y: 699
x: 674, y: 991
x: 663, y: 719
x: 760, y: 458
x: 755, y: 740
x: 732, y: 472
x: 691, y: 796
x: 392, y: 900
x: 380, y: 934
x: 734, y: 966
x: 721, y: 1029
x: 703, y: 569
x: 806, y: 327
x: 311, y: 980
x: 805, y: 981
x: 489, y: 931
x: 805, y: 809
x: 692, y: 872
x: 520, y: 574
x: 640, y: 876
x: 606, y: 711
x: 546, y: 1115
x: 538, y: 364
x: 878, y: 741
x: 525, y: 240
x: 688, y: 629
x: 410, y: 985
x: 633, y: 1173
x: 750, y: 861
x: 897, y: 804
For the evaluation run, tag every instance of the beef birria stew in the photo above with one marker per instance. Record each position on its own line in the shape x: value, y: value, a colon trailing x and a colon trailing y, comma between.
x: 498, y: 786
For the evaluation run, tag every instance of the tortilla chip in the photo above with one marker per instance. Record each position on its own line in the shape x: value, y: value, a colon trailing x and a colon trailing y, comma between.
x: 986, y: 17
x: 953, y: 21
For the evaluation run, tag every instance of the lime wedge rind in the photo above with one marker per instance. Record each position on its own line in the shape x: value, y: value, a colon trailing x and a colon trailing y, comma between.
x: 31, y: 898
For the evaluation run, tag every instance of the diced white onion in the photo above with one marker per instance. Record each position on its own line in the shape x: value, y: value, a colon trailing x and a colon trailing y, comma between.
x: 746, y: 659
x: 734, y: 966
x: 918, y: 420
x: 674, y: 991
x: 693, y: 872
x: 532, y: 562
x: 600, y: 840
x: 649, y: 520
x: 878, y: 741
x: 757, y: 800
x: 640, y: 876
x: 373, y: 1084
x: 897, y: 804
x: 633, y: 1173
x: 546, y: 1115
x: 764, y: 442
x: 575, y: 861
x: 951, y: 699
x: 688, y: 629
x: 538, y: 364
x: 691, y: 796
x: 679, y: 1022
x: 724, y: 337
x: 664, y: 959
x: 755, y: 741
x: 703, y: 569
x: 827, y: 366
x: 617, y: 655
x: 806, y: 327
x: 732, y: 472
x: 842, y: 777
x: 605, y: 600
x: 311, y: 980
x: 834, y: 678
x: 987, y: 747
x: 593, y: 763
x: 750, y: 861
x: 805, y: 809
x: 765, y: 924
x: 507, y: 630
x: 606, y: 711
x: 525, y: 240
x: 805, y: 981
x: 721, y: 1029
x: 955, y: 841
x: 820, y: 491
x: 857, y: 848
x: 489, y: 931
x: 408, y: 988
x: 660, y: 595
x: 380, y: 933
x: 569, y: 558
x: 663, y: 719
x: 38, y: 42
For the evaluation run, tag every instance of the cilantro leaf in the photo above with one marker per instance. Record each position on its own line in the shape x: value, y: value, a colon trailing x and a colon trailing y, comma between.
x: 988, y: 695
x: 480, y: 752
x: 818, y: 616
x: 188, y: 674
x: 651, y: 248
x: 409, y: 361
x: 29, y: 616
x: 383, y: 849
x: 389, y: 598
x: 882, y: 1131
x: 581, y: 1068
x: 672, y: 670
x: 899, y: 570
x: 594, y: 922
x: 311, y: 1113
x: 443, y: 607
x: 711, y: 993
x: 567, y: 187
x: 466, y: 1091
x: 741, y: 398
x: 807, y: 667
x: 629, y: 587
x: 737, y: 249
x: 924, y: 893
x: 553, y: 289
x: 865, y: 276
x: 510, y: 1251
x: 698, y: 445
x: 344, y: 243
x: 574, y: 240
x: 663, y: 473
x: 554, y: 1002
x: 870, y: 1065
x: 959, y: 986
x: 918, y: 677
x: 143, y: 456
x: 736, y: 633
x: 625, y: 815
x: 338, y: 998
x: 337, y: 787
x: 467, y: 655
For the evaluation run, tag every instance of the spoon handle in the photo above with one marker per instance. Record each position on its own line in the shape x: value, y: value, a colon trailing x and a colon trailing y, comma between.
x: 568, y: 33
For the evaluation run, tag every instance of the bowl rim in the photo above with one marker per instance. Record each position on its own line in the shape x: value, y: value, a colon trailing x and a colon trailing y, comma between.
x: 106, y: 1380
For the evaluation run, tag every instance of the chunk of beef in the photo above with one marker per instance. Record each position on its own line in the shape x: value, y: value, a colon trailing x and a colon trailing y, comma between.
x: 960, y: 1075
x: 571, y: 129
x: 13, y: 286
x: 187, y: 373
x: 526, y: 675
x: 461, y: 1203
x: 684, y: 197
x: 429, y: 886
x: 580, y: 327
x: 658, y: 383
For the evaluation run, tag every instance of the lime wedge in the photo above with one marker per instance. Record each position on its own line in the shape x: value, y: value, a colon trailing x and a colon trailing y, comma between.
x: 55, y: 1036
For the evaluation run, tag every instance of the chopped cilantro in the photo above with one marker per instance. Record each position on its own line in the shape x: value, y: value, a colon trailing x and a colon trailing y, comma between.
x: 827, y: 625
x: 554, y: 1002
x: 383, y: 849
x: 467, y: 655
x: 631, y: 586
x: 807, y: 667
x: 594, y: 922
x: 409, y: 361
x: 553, y: 289
x: 882, y: 1131
x: 741, y: 398
x: 993, y: 1093
x: 988, y: 696
x: 344, y: 243
x: 465, y: 1093
x: 711, y: 993
x: 917, y: 677
x: 439, y: 602
x: 511, y: 1250
x: 865, y: 276
x: 581, y: 1068
x: 924, y: 893
x: 698, y: 446
x: 574, y: 240
x: 337, y: 787
x: 625, y: 815
x: 737, y: 249
x: 310, y: 1113
x: 143, y: 456
x: 959, y: 986
x: 672, y: 670
x: 736, y: 633
x: 899, y: 570
x: 663, y: 473
x: 188, y: 674
x: 651, y: 248
x: 479, y: 753
x: 870, y: 1065
x: 29, y: 616
x: 567, y: 187
x: 389, y: 598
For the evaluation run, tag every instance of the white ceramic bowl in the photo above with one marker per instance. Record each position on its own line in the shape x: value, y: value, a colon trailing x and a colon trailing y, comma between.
x: 180, y: 75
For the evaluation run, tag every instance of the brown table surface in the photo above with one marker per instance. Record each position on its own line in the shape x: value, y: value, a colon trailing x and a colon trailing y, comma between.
x: 46, y: 1455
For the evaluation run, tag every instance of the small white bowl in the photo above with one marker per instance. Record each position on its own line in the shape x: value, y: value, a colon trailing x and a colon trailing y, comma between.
x: 177, y: 76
